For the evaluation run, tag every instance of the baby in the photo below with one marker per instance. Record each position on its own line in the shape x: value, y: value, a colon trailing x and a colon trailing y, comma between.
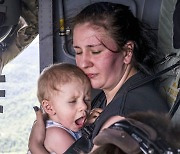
x: 64, y: 92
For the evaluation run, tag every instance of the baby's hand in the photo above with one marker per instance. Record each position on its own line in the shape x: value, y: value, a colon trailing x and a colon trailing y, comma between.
x: 93, y: 115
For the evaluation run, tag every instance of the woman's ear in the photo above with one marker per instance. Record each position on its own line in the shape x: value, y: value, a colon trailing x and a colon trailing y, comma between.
x: 48, y: 108
x: 128, y: 52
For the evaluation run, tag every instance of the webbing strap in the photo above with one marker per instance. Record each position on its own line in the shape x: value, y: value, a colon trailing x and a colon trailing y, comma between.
x: 175, y: 106
x: 153, y: 77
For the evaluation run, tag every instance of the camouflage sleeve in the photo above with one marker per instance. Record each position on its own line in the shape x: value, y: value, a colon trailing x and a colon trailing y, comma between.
x: 25, y: 33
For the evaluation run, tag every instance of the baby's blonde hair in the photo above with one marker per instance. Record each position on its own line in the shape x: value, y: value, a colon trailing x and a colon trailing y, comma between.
x: 56, y: 75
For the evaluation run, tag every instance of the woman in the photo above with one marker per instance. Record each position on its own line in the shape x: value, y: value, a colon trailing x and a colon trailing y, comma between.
x: 117, y: 52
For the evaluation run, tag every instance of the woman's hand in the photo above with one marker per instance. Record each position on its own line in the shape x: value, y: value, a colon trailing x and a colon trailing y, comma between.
x: 37, y: 135
x: 93, y: 115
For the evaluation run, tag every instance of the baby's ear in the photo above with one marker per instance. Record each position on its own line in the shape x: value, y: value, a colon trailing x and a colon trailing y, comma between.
x: 128, y: 52
x: 48, y: 108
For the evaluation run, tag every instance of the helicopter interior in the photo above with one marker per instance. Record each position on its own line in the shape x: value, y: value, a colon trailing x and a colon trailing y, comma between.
x: 49, y: 19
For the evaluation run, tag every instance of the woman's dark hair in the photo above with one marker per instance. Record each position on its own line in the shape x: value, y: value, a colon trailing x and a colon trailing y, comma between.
x: 123, y: 26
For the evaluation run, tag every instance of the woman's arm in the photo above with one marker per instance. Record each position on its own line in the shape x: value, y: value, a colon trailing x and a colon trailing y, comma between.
x: 37, y: 135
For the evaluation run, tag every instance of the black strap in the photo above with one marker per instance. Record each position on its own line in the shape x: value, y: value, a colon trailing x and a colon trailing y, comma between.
x: 175, y: 106
x: 153, y: 77
x: 82, y: 145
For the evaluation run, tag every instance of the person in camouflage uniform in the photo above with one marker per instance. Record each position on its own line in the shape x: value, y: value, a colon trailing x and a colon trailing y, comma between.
x: 24, y: 33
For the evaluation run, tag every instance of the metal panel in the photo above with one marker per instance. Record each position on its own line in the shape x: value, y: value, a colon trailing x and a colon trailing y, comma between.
x: 45, y: 33
x: 63, y: 11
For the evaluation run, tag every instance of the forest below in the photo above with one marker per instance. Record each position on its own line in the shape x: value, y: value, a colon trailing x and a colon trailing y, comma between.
x: 20, y: 87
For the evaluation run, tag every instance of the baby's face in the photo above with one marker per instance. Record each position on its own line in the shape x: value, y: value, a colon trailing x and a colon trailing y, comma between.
x: 72, y: 104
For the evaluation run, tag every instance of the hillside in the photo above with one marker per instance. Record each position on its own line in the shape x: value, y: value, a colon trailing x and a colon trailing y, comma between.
x: 16, y: 121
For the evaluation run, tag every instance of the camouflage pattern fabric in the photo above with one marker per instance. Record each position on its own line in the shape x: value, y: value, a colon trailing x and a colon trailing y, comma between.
x: 30, y: 15
x: 27, y: 28
x: 25, y: 33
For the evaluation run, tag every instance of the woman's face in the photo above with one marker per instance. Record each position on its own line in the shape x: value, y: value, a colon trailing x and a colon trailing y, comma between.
x: 93, y: 47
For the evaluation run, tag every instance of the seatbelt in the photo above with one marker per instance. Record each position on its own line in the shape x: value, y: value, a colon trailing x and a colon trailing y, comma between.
x: 155, y: 76
x: 175, y: 105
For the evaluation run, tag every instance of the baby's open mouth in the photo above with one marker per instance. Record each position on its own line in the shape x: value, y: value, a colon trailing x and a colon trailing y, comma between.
x: 80, y: 121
